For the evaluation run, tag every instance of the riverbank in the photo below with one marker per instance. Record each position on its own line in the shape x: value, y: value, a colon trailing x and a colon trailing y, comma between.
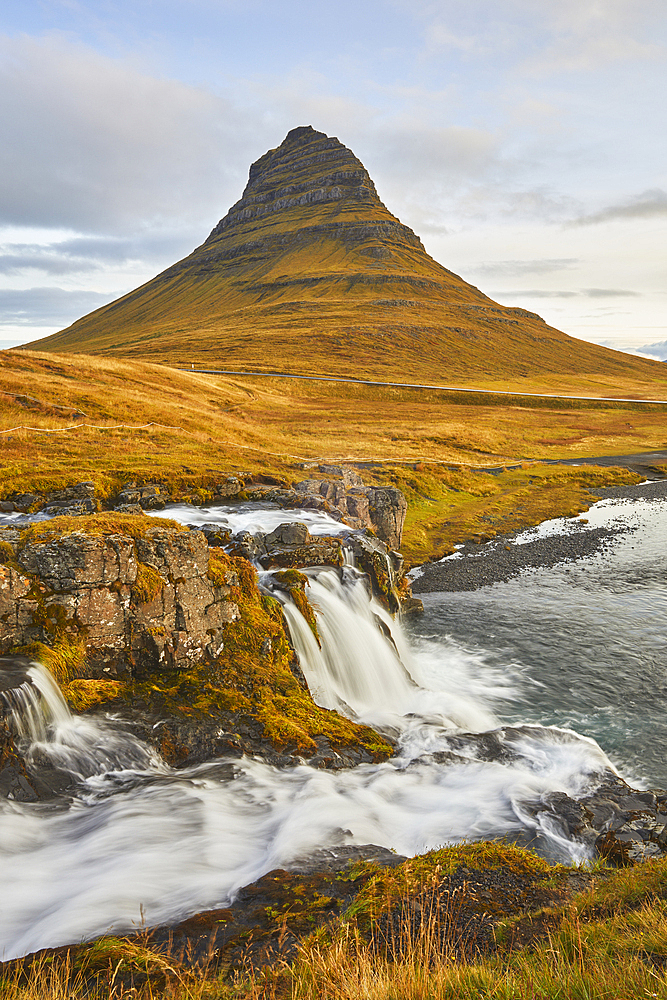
x: 476, y: 565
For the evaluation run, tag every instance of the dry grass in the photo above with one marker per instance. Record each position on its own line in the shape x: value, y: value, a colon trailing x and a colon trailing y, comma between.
x: 270, y: 424
x: 427, y: 443
x: 607, y: 942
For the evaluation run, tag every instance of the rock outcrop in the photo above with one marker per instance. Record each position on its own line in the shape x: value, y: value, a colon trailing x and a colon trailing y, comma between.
x: 133, y: 600
x: 144, y: 618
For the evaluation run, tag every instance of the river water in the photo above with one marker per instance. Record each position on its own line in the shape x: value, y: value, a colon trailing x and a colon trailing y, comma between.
x: 579, y: 649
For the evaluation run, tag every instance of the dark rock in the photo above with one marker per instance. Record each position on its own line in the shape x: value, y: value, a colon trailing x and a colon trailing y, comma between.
x: 71, y: 508
x: 317, y: 550
x: 293, y: 533
x: 383, y: 509
x: 129, y: 508
x: 152, y: 496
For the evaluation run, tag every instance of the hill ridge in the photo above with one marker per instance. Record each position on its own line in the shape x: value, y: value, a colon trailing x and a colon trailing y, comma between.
x: 310, y: 265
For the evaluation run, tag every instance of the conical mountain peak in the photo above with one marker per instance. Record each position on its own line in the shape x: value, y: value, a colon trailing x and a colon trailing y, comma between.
x: 310, y: 273
x: 310, y: 172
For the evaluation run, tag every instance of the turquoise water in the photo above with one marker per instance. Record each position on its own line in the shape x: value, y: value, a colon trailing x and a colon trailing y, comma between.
x: 586, y: 642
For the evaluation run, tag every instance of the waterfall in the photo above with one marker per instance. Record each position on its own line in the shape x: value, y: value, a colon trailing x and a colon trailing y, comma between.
x: 34, y: 705
x: 365, y: 669
x: 140, y: 842
x: 46, y: 729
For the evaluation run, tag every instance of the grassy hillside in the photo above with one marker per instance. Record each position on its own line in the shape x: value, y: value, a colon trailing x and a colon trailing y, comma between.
x: 310, y: 273
x: 432, y: 445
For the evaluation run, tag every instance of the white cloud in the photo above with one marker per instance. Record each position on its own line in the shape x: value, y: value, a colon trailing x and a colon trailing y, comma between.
x: 94, y: 144
x: 551, y: 293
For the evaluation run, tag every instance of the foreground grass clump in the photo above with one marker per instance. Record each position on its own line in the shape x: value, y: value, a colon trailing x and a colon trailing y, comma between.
x: 602, y: 934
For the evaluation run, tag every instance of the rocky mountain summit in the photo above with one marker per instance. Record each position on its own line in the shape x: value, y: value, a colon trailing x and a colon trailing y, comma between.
x: 309, y: 272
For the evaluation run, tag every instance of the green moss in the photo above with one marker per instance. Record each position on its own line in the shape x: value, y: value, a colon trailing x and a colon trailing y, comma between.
x: 295, y: 584
x: 110, y: 523
x: 220, y: 571
x: 64, y: 658
x: 252, y: 675
x: 387, y: 888
x: 148, y: 584
x: 82, y: 694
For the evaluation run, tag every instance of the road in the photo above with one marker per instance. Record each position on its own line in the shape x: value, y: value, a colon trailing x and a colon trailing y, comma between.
x: 420, y: 385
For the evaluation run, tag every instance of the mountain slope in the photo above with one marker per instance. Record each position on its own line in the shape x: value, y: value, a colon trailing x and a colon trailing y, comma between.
x: 309, y: 272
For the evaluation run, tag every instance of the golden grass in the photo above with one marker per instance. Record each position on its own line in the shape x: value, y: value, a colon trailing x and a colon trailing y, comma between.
x: 226, y: 424
x: 607, y: 942
x: 432, y: 445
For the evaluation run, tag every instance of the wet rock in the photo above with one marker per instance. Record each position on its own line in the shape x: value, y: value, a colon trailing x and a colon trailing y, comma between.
x: 216, y: 536
x: 249, y: 546
x: 479, y: 564
x: 317, y: 550
x: 152, y: 496
x: 292, y: 533
x: 229, y: 487
x: 383, y: 508
x: 72, y: 508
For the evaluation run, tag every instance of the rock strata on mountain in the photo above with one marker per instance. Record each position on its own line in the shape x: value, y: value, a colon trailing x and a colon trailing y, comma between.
x: 309, y: 272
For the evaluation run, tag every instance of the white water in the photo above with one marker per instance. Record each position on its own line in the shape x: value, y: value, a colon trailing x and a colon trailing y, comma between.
x: 251, y: 517
x: 44, y: 726
x: 142, y: 843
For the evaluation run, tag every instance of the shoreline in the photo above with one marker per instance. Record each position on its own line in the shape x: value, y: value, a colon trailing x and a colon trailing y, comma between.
x: 499, y: 560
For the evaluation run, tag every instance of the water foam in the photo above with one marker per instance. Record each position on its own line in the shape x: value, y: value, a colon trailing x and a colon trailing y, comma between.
x: 143, y: 843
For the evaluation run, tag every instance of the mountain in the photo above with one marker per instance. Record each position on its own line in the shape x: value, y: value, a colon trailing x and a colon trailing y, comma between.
x: 310, y: 273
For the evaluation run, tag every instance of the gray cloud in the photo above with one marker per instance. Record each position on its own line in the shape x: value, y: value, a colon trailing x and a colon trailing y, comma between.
x: 84, y: 254
x: 93, y: 144
x: 548, y: 293
x: 607, y: 293
x: 516, y: 268
x: 658, y: 350
x: 47, y: 306
x: 642, y: 206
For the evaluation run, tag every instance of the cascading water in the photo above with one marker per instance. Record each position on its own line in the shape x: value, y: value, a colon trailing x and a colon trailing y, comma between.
x: 143, y: 843
x: 44, y: 726
x: 364, y: 668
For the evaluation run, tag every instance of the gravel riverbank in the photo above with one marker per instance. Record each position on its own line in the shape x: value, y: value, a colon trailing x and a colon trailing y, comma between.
x: 476, y: 566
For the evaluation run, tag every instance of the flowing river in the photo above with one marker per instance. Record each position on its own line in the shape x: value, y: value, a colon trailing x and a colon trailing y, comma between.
x: 571, y: 659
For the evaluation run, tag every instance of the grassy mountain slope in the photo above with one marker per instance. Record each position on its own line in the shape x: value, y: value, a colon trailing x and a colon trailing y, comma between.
x: 309, y: 272
x: 79, y: 417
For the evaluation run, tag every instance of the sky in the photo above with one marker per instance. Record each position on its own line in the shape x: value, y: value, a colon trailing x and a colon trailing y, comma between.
x: 523, y: 141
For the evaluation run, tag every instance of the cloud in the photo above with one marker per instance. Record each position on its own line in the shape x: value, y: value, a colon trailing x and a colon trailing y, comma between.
x: 643, y: 206
x: 607, y: 293
x: 516, y: 268
x: 658, y: 350
x: 95, y: 145
x: 47, y: 306
x: 548, y: 293
x: 586, y: 35
x: 81, y: 255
